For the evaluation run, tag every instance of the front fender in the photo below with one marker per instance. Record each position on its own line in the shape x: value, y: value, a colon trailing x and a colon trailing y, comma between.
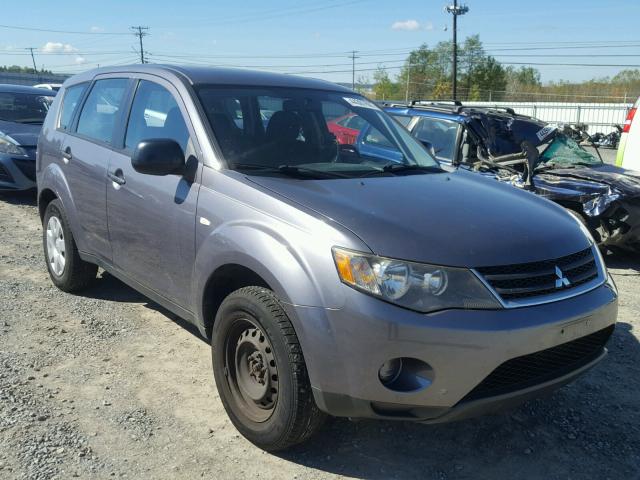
x: 298, y: 275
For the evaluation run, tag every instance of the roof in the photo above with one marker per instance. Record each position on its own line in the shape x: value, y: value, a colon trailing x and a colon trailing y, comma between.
x: 9, y: 88
x: 197, y: 75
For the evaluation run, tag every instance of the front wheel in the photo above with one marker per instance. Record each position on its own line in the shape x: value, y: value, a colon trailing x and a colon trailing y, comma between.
x: 260, y: 371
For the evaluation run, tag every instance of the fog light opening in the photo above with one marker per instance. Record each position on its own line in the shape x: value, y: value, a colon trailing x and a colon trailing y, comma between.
x: 405, y: 374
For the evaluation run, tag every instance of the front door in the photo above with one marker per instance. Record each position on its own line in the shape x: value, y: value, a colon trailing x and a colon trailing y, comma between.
x: 152, y: 218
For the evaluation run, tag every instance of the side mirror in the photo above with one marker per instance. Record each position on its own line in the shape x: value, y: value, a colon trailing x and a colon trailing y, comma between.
x: 429, y: 146
x: 158, y: 156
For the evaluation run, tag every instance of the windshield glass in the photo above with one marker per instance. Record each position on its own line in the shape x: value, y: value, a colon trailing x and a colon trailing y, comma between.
x: 266, y: 131
x: 24, y: 107
x: 563, y: 151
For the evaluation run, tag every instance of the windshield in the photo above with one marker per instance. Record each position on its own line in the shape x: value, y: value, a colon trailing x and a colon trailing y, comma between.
x: 276, y: 131
x: 563, y: 151
x: 24, y: 107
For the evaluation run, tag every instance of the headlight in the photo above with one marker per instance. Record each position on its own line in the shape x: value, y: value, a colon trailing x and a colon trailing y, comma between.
x: 417, y: 286
x: 9, y: 145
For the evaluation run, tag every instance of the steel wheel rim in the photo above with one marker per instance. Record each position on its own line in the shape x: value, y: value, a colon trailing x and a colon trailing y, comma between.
x: 56, y: 252
x: 251, y: 370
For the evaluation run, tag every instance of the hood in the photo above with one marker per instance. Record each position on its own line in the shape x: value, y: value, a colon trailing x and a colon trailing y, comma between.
x: 454, y: 219
x: 595, y: 188
x: 25, y: 134
x: 625, y: 181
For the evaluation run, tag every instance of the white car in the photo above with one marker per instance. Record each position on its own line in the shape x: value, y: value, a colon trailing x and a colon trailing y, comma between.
x: 629, y: 148
x: 49, y: 86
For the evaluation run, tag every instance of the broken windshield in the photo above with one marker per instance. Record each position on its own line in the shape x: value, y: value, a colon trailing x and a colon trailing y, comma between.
x: 564, y: 152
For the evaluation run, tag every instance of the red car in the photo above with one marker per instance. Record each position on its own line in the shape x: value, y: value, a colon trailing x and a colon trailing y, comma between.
x: 346, y: 128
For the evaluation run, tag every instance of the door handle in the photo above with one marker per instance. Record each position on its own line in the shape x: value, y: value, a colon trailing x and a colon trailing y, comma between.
x: 117, y: 177
x: 66, y: 155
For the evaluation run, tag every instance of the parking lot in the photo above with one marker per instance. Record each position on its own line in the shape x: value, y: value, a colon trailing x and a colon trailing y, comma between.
x: 107, y: 384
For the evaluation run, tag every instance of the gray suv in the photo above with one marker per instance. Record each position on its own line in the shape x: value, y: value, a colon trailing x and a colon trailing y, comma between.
x: 330, y: 281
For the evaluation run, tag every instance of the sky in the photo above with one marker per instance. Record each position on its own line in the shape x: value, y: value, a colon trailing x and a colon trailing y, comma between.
x: 315, y: 38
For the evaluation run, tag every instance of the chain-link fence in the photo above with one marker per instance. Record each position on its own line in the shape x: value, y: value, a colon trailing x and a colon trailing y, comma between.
x: 31, y: 78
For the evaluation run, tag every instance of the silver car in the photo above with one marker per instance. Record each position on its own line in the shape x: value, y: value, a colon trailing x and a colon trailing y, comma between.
x: 330, y: 279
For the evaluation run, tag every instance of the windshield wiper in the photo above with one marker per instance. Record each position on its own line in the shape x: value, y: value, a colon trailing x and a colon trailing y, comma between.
x: 297, y: 170
x: 402, y: 167
x: 291, y: 170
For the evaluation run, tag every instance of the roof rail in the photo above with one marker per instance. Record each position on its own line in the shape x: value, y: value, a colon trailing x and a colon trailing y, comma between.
x: 456, y: 103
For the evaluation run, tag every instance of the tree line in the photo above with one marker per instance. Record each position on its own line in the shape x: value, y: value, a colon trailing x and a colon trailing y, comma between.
x: 427, y: 74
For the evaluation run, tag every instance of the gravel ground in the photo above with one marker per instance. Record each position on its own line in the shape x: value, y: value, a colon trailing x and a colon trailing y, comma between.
x: 107, y: 385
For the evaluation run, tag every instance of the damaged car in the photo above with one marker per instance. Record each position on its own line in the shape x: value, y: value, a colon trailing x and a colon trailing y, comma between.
x: 533, y: 155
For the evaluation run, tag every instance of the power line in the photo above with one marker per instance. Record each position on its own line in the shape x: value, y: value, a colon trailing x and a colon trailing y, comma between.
x: 140, y: 32
x: 72, y: 32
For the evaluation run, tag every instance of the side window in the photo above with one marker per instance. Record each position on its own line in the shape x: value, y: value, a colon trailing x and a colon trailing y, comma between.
x: 441, y: 134
x: 155, y: 114
x: 70, y: 102
x: 403, y: 120
x: 374, y: 137
x: 101, y: 109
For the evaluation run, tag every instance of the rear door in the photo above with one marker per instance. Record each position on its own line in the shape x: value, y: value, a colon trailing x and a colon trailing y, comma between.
x: 86, y: 150
x: 152, y: 218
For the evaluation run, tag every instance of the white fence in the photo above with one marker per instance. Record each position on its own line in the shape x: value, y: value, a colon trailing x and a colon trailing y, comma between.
x: 600, y: 117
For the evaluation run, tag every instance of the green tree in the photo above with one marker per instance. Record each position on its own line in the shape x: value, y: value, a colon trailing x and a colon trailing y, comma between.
x: 384, y: 88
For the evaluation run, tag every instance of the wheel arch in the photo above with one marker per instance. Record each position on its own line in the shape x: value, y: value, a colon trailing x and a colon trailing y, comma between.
x: 223, y: 281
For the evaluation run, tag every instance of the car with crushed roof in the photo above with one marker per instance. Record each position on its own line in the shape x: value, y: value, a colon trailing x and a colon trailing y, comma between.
x: 532, y: 155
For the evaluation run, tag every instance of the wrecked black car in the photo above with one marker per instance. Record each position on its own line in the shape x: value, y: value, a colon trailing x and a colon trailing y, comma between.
x: 535, y: 156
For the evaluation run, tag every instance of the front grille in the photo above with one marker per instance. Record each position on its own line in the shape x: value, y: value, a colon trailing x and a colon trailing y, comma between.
x: 542, y: 366
x: 526, y: 280
x: 27, y: 167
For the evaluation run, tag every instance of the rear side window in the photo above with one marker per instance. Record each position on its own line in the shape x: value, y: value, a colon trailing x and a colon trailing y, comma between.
x: 102, y: 109
x: 155, y: 114
x: 72, y: 96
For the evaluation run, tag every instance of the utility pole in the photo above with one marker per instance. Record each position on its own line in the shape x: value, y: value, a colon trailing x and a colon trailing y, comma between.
x: 31, y: 49
x: 140, y: 32
x: 455, y: 10
x: 353, y: 69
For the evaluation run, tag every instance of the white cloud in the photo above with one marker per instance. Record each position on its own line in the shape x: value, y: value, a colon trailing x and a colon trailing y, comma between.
x: 53, y: 47
x: 409, y: 25
x: 96, y: 29
x: 428, y: 26
x: 80, y: 60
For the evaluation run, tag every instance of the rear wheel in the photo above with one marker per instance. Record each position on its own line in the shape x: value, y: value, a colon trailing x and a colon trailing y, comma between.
x: 260, y: 371
x: 67, y: 270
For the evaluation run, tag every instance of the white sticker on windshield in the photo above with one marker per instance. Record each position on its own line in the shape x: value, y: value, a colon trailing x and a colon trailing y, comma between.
x: 360, y: 102
x: 546, y: 131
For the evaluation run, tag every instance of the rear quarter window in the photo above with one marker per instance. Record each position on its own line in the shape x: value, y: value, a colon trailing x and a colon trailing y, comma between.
x: 70, y: 101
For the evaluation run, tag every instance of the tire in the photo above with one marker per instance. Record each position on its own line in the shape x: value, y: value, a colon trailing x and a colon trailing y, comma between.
x: 273, y: 409
x: 67, y: 270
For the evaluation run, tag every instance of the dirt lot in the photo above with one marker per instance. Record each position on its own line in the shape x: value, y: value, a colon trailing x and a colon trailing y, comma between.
x: 107, y: 384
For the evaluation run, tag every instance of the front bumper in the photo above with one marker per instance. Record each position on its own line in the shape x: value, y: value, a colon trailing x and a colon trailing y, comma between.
x: 345, y: 348
x: 17, y: 173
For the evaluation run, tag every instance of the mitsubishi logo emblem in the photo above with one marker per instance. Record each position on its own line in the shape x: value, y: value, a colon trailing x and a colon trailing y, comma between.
x: 561, y: 280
